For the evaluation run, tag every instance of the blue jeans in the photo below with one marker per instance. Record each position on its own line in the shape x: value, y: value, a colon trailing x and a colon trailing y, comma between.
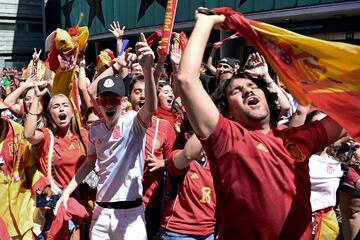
x: 167, y: 235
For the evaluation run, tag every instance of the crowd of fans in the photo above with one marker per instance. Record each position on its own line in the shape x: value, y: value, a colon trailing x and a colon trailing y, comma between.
x: 186, y: 151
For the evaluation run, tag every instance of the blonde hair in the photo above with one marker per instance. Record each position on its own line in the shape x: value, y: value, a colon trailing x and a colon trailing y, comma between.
x: 74, y: 127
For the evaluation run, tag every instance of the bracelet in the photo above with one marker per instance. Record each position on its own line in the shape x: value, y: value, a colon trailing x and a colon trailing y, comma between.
x: 268, y: 84
x: 115, y: 71
x: 34, y: 114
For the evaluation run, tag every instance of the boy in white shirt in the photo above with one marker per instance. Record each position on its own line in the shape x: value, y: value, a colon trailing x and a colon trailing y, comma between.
x: 117, y: 141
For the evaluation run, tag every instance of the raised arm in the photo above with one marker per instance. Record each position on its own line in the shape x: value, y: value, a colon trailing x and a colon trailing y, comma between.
x: 118, y: 34
x: 118, y: 65
x: 158, y: 70
x: 175, y: 57
x: 30, y: 133
x: 210, y: 61
x: 12, y: 99
x: 257, y: 66
x: 84, y: 95
x: 201, y: 111
x: 48, y: 77
x: 146, y: 59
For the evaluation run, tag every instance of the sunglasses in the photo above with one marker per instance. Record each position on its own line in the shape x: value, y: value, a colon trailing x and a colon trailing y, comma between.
x: 105, y: 101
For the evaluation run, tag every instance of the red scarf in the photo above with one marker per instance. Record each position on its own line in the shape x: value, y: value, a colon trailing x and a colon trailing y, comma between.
x: 166, y: 115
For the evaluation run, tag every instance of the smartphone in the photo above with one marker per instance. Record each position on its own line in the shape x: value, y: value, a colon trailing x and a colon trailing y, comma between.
x: 41, y: 201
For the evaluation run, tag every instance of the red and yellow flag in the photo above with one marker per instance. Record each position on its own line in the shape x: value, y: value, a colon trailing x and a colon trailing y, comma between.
x: 168, y: 26
x: 324, y: 73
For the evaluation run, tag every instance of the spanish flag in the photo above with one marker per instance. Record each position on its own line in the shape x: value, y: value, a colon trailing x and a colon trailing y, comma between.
x: 324, y: 73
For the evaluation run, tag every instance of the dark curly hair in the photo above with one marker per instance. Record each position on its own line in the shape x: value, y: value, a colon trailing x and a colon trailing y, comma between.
x: 220, y: 100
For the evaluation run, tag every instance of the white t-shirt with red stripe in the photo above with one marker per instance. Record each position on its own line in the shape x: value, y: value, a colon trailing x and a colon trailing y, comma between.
x: 120, y: 157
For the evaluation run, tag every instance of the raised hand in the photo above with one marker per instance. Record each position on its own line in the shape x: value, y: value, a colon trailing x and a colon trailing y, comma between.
x: 46, y: 192
x: 144, y: 53
x: 175, y: 52
x: 36, y: 55
x: 161, y: 58
x: 208, y: 16
x: 117, y: 30
x: 40, y: 88
x: 126, y: 59
x: 256, y: 65
x: 32, y: 80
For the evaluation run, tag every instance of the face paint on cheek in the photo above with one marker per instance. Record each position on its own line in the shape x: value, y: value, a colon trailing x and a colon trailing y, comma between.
x: 108, y: 101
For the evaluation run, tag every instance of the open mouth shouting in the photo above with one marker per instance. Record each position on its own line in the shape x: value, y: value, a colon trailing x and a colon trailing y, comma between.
x: 141, y: 103
x: 168, y: 103
x: 251, y: 99
x: 110, y: 113
x: 62, y: 117
x: 170, y: 100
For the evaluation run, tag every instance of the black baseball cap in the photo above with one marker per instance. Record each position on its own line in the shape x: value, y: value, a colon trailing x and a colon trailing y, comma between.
x: 111, y: 84
x: 229, y: 61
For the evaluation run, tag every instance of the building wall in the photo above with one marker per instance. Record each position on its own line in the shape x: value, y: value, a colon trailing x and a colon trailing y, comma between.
x: 128, y: 13
x: 327, y: 19
x: 21, y: 30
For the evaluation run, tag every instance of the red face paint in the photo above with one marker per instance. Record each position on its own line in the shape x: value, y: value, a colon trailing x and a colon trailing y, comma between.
x: 106, y: 101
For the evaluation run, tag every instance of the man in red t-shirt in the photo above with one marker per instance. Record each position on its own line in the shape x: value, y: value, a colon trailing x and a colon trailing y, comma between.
x: 261, y: 174
x: 159, y: 141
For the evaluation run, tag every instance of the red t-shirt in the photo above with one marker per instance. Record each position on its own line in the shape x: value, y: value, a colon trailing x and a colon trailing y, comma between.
x: 67, y: 158
x: 152, y: 181
x: 262, y: 180
x: 192, y: 210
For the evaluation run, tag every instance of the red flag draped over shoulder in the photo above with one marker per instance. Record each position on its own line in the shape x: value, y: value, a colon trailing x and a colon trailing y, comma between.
x: 321, y: 72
